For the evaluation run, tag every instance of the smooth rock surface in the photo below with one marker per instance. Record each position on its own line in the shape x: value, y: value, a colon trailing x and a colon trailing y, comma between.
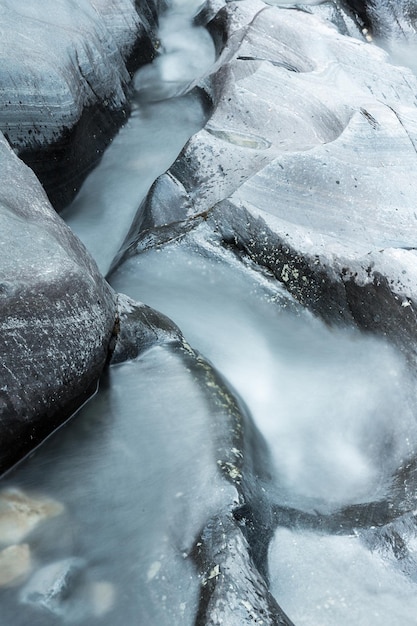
x: 57, y: 314
x: 306, y: 166
x: 306, y: 172
x: 285, y: 227
x: 64, y: 78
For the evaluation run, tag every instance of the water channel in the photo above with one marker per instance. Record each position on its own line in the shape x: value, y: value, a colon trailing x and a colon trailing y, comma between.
x: 135, y: 472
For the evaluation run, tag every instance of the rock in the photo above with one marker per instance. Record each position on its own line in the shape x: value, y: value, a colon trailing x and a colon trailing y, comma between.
x: 15, y: 564
x: 184, y: 456
x: 232, y: 591
x: 311, y: 131
x: 385, y: 19
x: 21, y: 513
x: 54, y: 588
x: 57, y: 315
x: 103, y: 597
x: 139, y: 327
x: 65, y: 77
x: 305, y: 169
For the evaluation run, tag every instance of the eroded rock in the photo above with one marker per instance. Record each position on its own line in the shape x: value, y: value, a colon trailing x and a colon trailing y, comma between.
x: 57, y: 314
x: 54, y: 588
x: 15, y: 564
x: 140, y: 327
x: 65, y: 76
x: 305, y: 167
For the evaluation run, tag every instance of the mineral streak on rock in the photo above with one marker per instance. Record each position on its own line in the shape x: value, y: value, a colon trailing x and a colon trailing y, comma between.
x: 139, y: 327
x: 56, y: 314
x: 64, y: 81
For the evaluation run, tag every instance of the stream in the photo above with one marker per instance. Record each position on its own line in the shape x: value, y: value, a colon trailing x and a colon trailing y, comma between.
x: 135, y: 471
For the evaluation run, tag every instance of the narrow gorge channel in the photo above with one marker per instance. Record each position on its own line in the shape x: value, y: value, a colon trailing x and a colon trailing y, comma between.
x: 250, y: 453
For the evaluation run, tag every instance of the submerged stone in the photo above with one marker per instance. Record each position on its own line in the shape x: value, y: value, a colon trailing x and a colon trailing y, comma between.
x: 15, y: 565
x: 20, y: 513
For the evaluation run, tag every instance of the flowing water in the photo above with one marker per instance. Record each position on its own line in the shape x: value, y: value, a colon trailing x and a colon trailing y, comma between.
x: 136, y: 470
x: 163, y: 118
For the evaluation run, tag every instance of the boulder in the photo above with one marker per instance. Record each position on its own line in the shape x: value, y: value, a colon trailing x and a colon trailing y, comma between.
x: 64, y: 79
x: 57, y: 314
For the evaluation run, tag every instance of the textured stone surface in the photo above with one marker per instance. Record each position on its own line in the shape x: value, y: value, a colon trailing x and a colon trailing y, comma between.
x: 305, y: 169
x: 57, y: 314
x: 307, y: 166
x: 386, y: 19
x: 139, y: 327
x: 304, y: 173
x: 64, y: 76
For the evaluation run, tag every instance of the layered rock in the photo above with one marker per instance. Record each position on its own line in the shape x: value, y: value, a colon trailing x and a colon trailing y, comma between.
x: 57, y: 314
x: 64, y: 81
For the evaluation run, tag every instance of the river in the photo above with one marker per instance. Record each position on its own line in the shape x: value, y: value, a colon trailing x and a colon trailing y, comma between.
x: 136, y: 471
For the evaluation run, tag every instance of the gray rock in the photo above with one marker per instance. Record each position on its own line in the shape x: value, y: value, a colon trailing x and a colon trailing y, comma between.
x: 306, y: 166
x: 64, y: 74
x: 384, y: 18
x: 232, y: 590
x: 57, y: 314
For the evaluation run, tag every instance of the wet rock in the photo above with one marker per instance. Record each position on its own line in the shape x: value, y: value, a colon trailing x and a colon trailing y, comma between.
x: 232, y: 590
x: 57, y: 315
x: 20, y: 513
x: 386, y: 19
x: 65, y: 79
x: 139, y: 327
x: 54, y: 588
x: 15, y: 565
x: 312, y: 130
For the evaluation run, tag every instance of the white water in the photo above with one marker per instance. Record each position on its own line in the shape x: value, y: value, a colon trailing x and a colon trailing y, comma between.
x: 163, y: 119
x: 330, y: 402
x: 329, y: 581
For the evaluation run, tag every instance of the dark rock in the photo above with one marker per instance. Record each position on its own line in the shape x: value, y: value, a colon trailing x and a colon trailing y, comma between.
x: 384, y: 18
x: 138, y: 328
x: 65, y: 82
x: 231, y: 549
x: 232, y: 590
x: 57, y: 315
x: 54, y: 588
